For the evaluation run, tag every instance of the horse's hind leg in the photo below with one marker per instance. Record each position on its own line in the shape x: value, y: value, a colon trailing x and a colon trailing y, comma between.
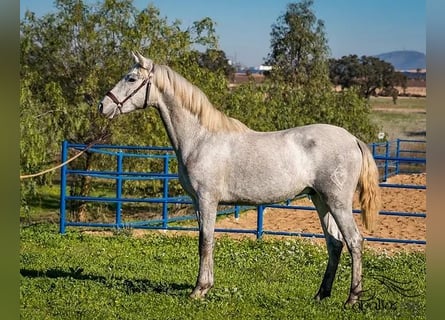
x: 354, y: 241
x: 333, y: 243
x: 206, y: 214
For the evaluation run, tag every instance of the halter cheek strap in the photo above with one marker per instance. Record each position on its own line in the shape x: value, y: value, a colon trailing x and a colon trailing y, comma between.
x: 147, y: 91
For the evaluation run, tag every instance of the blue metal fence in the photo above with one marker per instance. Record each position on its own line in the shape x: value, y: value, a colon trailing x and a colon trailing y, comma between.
x: 392, y: 156
x: 388, y: 159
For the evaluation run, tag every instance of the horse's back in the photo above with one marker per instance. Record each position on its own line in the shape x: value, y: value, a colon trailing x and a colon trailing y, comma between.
x: 322, y: 157
x: 272, y: 166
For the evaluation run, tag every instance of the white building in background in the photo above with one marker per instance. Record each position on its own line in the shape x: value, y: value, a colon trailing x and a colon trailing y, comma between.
x: 264, y: 68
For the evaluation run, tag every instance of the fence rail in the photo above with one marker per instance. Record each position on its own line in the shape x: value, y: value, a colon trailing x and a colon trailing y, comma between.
x: 390, y: 157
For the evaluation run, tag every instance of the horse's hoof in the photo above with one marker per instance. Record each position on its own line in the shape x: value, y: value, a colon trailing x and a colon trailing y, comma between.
x: 196, y: 295
x: 321, y: 295
x: 199, y: 292
x: 350, y: 302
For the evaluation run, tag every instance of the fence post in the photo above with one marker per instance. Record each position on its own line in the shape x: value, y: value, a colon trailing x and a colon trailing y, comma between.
x: 259, y: 228
x: 397, y: 155
x: 63, y: 188
x: 119, y: 189
x: 386, y: 161
x: 165, y: 191
x: 237, y: 210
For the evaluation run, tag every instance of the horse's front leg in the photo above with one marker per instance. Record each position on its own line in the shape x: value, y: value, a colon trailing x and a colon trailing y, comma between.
x: 206, y: 214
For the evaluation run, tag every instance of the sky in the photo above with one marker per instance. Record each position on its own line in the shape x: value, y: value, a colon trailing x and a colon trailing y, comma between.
x: 361, y: 27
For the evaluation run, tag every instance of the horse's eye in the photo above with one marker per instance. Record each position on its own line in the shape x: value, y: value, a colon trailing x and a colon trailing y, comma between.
x: 131, y: 79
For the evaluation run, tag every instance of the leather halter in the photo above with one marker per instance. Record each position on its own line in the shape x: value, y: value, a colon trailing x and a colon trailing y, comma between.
x: 146, y: 81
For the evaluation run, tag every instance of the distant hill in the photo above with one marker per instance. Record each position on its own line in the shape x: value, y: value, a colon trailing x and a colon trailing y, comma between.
x: 404, y: 60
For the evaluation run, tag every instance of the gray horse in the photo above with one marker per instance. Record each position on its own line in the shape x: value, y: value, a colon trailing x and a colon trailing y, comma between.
x: 223, y: 161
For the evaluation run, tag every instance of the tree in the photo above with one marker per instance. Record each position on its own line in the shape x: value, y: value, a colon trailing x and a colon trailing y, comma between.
x: 71, y: 57
x: 368, y: 73
x: 215, y: 60
x: 299, y: 46
x: 298, y: 90
x: 401, y: 80
x: 345, y: 71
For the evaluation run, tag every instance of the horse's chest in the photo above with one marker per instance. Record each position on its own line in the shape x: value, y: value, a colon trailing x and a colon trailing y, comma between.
x: 185, y: 181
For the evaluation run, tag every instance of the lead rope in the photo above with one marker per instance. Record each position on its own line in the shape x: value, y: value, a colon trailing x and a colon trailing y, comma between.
x: 26, y: 176
x: 102, y: 138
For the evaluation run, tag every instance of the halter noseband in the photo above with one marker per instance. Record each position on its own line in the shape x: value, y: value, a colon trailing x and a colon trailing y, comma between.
x: 147, y: 81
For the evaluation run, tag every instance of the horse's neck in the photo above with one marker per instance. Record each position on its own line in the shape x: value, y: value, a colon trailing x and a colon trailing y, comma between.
x: 184, y: 129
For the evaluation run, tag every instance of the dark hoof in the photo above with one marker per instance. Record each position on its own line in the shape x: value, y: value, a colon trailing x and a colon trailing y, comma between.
x: 322, y: 295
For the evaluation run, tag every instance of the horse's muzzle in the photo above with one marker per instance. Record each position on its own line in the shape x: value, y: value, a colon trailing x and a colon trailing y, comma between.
x: 107, y: 111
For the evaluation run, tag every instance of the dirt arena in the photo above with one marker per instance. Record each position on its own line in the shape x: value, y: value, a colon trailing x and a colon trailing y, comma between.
x: 401, y: 200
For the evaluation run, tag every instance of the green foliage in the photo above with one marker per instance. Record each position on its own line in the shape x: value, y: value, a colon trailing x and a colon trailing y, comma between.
x: 367, y: 73
x: 216, y: 60
x: 81, y: 276
x: 299, y: 47
x: 70, y: 58
x: 277, y: 106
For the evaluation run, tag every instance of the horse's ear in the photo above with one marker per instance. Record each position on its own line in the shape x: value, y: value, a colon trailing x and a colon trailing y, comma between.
x: 135, y: 57
x: 144, y: 62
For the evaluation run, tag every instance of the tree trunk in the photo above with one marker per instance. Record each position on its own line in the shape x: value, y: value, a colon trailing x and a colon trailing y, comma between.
x: 85, y: 187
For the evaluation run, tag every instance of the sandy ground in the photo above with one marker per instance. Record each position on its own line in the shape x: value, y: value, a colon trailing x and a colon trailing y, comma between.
x: 401, y: 200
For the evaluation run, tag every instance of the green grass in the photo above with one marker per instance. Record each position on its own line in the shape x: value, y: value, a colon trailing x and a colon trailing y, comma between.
x: 405, y: 120
x: 401, y: 125
x: 81, y: 276
x: 402, y: 102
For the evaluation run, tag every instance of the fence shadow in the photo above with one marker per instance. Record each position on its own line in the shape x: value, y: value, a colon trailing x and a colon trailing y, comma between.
x: 416, y: 133
x: 129, y: 286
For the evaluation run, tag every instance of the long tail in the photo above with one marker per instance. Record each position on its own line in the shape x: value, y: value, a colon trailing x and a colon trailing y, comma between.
x: 369, y: 188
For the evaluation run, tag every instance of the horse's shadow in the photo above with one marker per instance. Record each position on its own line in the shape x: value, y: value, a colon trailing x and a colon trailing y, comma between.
x: 129, y: 286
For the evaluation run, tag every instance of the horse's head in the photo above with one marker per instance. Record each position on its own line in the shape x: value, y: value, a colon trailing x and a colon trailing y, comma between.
x: 132, y: 91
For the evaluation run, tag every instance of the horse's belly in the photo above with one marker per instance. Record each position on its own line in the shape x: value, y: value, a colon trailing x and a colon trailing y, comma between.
x: 257, y: 191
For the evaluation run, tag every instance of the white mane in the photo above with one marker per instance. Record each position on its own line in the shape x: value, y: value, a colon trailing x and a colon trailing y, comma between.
x: 193, y: 99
